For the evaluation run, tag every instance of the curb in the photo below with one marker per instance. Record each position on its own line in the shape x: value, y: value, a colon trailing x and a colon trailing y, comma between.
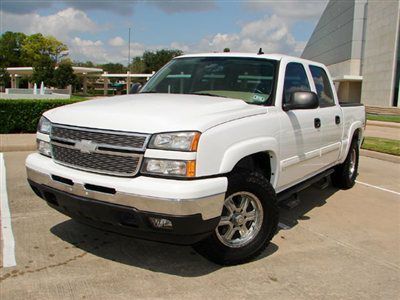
x: 382, y: 156
x: 383, y: 124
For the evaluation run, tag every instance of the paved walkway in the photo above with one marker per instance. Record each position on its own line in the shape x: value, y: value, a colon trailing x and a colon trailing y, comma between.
x: 383, y: 130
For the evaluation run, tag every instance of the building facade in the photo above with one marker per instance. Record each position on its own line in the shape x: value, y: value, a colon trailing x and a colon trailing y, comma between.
x: 359, y: 42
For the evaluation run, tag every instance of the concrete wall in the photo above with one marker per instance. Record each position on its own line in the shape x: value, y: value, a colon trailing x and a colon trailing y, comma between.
x: 337, y: 40
x: 380, y: 53
x: 348, y: 67
x: 349, y: 91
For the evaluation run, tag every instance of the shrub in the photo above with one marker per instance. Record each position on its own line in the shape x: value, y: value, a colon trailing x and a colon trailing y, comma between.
x: 22, y: 116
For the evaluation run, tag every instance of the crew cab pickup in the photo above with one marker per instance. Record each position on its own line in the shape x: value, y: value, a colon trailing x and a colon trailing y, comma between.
x: 202, y: 154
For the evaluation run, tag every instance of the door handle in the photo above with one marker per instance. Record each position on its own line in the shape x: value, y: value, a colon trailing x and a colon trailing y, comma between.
x: 317, y: 123
x: 337, y: 120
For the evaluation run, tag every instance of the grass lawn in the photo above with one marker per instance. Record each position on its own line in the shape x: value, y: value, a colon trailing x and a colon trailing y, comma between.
x: 383, y: 118
x: 78, y: 98
x: 382, y: 145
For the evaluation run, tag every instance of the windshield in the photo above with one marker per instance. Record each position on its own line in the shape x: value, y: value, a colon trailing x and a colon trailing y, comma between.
x: 248, y: 79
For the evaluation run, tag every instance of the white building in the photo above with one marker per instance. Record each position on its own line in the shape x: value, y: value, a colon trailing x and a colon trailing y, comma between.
x: 359, y: 42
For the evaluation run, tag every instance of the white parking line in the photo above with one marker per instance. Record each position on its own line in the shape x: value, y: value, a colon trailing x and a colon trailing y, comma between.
x: 378, y: 187
x: 6, y: 229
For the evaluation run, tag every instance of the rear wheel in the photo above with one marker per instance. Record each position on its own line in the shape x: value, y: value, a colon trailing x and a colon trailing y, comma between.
x: 345, y: 174
x: 248, y: 221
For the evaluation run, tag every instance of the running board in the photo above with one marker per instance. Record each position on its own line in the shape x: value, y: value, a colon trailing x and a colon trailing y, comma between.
x: 284, y: 195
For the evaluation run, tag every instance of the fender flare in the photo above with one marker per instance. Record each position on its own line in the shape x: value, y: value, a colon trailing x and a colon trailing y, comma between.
x: 245, y: 148
x: 355, y: 126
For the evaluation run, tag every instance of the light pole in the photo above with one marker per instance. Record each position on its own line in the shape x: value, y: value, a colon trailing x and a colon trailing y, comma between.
x: 129, y: 49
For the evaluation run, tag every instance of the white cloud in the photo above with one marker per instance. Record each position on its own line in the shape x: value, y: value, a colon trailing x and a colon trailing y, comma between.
x: 116, y: 41
x: 60, y: 25
x: 81, y: 49
x: 270, y: 33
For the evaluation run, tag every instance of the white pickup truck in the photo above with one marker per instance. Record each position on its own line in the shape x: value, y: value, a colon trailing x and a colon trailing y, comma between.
x: 202, y: 154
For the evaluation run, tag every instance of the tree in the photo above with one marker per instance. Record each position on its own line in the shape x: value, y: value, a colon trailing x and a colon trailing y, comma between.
x: 64, y: 75
x: 115, y: 68
x: 227, y: 50
x: 37, y: 46
x: 11, y: 49
x: 43, y: 70
x: 153, y: 61
x: 88, y: 64
x: 137, y: 65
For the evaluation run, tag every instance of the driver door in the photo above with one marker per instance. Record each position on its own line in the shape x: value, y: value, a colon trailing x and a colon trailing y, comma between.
x: 300, y: 136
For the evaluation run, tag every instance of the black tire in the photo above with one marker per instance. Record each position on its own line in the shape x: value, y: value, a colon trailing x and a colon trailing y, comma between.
x: 345, y: 176
x: 256, y: 184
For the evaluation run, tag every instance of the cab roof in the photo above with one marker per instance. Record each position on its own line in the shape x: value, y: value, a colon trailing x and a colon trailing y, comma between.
x: 273, y: 56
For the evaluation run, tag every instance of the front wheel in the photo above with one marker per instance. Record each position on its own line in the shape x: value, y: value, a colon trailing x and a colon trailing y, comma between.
x: 248, y: 222
x: 345, y: 174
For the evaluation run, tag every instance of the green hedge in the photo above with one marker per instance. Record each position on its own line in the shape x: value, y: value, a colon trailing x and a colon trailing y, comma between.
x: 22, y: 116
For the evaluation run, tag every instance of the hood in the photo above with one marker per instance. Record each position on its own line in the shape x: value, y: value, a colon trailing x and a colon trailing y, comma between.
x: 151, y: 113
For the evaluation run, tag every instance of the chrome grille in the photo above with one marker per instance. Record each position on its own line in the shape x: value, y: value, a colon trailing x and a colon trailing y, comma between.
x: 97, y: 162
x: 111, y: 153
x: 132, y: 141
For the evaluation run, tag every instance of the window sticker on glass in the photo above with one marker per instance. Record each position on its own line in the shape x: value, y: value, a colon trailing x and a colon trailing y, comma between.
x: 258, y: 98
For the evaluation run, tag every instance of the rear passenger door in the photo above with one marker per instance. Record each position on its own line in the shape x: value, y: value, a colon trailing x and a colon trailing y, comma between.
x: 330, y: 114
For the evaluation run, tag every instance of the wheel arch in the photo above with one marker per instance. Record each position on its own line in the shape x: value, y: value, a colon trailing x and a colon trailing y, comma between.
x: 256, y: 154
x: 355, y: 131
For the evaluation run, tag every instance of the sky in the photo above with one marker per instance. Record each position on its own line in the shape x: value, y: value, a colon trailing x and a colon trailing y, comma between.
x: 97, y: 30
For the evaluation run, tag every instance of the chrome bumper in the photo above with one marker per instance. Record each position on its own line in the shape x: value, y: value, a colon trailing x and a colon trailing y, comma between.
x: 209, y: 207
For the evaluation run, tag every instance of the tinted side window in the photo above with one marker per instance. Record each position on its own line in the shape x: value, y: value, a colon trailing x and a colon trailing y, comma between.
x: 295, y: 80
x: 323, y: 86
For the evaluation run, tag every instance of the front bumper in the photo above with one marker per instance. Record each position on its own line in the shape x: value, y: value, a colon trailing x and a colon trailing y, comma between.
x: 193, y: 206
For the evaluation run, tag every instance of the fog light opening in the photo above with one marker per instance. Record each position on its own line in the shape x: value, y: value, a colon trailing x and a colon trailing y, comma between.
x: 160, y: 223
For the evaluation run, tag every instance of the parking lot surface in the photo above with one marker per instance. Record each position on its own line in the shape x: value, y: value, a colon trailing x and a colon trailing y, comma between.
x: 334, y: 245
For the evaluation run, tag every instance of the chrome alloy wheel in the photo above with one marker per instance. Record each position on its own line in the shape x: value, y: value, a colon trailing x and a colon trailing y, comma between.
x: 241, y: 220
x: 352, y: 165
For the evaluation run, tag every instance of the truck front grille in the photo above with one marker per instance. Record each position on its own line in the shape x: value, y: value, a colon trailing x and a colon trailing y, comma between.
x: 113, y: 153
x: 132, y: 141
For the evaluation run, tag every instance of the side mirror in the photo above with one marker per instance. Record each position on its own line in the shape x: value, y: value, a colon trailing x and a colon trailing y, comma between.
x: 135, y: 88
x: 301, y: 100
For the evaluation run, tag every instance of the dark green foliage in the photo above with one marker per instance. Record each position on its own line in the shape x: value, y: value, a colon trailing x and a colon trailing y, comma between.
x: 64, y: 75
x: 153, y: 61
x: 43, y: 70
x: 11, y: 44
x: 19, y: 116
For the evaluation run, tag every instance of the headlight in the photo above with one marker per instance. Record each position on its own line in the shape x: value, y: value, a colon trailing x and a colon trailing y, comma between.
x: 180, y: 141
x: 44, y: 148
x: 181, y: 168
x: 44, y: 125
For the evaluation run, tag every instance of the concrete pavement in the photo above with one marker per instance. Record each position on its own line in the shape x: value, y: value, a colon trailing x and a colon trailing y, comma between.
x: 17, y: 142
x: 338, y: 245
x: 387, y: 130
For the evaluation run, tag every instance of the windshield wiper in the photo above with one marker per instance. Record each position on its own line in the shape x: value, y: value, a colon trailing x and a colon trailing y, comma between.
x: 206, y: 94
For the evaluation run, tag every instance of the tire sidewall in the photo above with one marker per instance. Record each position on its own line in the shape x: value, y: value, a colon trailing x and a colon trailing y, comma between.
x: 350, y: 181
x: 256, y: 184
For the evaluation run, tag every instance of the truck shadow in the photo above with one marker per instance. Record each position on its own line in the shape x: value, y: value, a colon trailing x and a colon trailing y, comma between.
x: 310, y: 198
x: 170, y: 259
x: 157, y: 257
